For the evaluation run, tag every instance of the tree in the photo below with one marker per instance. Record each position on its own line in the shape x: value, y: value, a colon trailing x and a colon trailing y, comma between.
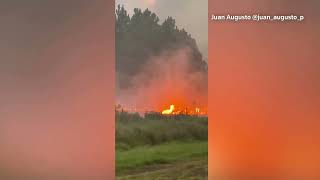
x: 142, y: 36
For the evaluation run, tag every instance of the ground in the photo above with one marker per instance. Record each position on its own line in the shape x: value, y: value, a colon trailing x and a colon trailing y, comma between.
x: 161, y: 149
x: 196, y: 169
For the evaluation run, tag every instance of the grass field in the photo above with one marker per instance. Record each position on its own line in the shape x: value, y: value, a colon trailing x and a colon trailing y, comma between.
x: 166, y: 148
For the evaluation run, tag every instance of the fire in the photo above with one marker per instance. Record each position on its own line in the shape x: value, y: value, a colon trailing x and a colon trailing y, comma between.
x: 186, y: 111
x: 168, y: 111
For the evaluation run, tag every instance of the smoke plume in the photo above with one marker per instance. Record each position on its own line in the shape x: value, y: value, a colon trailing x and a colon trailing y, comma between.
x: 169, y: 78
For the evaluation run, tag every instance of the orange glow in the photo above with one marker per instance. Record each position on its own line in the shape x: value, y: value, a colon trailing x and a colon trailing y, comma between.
x: 184, y: 110
x: 263, y: 103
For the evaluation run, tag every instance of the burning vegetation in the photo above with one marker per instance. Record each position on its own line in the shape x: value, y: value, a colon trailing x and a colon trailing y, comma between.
x: 174, y: 111
x: 158, y: 66
x: 169, y: 111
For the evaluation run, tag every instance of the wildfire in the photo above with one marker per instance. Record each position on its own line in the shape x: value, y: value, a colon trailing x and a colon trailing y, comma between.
x: 173, y: 110
x: 168, y: 111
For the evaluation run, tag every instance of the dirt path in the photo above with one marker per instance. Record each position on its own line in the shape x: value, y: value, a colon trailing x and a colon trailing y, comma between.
x: 190, y: 170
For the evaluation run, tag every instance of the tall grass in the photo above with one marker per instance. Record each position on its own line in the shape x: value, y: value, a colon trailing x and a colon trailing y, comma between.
x: 133, y: 130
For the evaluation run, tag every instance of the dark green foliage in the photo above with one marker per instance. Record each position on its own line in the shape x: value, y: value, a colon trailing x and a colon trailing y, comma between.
x: 124, y: 116
x: 142, y: 36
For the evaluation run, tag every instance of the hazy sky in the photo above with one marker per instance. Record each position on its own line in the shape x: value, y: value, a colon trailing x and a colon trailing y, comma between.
x: 189, y: 14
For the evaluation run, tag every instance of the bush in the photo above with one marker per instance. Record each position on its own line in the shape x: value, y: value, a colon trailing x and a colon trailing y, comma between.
x: 133, y: 130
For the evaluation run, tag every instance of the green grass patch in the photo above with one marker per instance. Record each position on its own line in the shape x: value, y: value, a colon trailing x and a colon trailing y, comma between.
x: 148, y: 156
x: 161, y: 147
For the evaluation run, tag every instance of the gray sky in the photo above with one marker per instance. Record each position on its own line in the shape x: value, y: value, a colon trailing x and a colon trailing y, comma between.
x: 189, y: 14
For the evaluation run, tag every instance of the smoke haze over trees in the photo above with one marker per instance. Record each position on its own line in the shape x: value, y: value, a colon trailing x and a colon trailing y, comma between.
x: 150, y: 54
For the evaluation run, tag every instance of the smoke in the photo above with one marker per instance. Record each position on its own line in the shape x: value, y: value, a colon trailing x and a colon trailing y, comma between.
x: 169, y: 78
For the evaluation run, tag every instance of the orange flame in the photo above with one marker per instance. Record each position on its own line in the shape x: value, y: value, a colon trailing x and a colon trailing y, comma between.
x: 168, y: 111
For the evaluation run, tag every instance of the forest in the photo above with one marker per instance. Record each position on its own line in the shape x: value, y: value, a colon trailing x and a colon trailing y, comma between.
x: 142, y: 35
